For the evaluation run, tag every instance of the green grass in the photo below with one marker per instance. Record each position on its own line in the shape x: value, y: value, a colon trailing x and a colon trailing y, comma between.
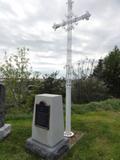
x: 101, y: 140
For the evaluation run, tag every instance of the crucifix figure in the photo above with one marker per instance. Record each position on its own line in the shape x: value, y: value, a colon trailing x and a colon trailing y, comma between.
x: 69, y: 23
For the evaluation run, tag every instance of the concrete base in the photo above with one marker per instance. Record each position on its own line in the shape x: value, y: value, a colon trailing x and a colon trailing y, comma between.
x: 5, y: 130
x: 46, y: 152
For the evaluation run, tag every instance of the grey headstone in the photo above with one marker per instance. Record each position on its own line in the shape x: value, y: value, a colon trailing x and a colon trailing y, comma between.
x: 2, y: 105
x: 48, y: 128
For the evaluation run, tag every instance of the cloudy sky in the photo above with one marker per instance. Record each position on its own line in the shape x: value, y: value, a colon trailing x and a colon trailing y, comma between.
x: 28, y: 23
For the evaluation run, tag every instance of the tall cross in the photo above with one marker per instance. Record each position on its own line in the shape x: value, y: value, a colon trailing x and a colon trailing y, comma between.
x: 69, y: 23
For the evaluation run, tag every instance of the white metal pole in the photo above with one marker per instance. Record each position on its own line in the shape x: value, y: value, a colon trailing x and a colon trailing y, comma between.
x: 69, y: 23
x: 68, y: 132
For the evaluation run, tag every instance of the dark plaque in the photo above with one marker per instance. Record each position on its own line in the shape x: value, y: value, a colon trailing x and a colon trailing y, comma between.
x: 42, y: 115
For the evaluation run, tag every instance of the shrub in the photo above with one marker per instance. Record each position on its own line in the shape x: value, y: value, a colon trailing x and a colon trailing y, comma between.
x: 90, y: 89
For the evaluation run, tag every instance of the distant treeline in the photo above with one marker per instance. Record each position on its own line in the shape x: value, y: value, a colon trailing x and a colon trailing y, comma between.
x: 91, y: 81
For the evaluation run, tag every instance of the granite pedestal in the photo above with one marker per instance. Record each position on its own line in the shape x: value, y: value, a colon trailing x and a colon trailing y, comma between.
x: 48, y: 128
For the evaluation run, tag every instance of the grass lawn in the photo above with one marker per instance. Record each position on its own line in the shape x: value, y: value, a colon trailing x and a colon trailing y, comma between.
x: 101, y: 140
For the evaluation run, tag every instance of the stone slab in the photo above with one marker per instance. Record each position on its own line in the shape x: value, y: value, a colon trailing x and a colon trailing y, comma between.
x: 46, y: 152
x: 74, y: 140
x: 5, y: 130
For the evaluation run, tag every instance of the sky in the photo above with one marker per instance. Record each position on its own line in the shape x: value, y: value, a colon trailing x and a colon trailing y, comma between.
x: 28, y: 23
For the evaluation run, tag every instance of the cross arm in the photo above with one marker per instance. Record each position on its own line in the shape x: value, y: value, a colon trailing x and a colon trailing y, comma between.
x: 85, y: 16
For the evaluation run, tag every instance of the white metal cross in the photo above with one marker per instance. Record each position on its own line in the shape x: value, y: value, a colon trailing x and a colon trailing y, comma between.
x: 69, y: 23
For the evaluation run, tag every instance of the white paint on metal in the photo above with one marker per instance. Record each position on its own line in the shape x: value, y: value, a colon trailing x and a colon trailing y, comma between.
x: 69, y: 23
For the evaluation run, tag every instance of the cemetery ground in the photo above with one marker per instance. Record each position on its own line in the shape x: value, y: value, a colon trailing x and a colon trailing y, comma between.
x: 99, y: 121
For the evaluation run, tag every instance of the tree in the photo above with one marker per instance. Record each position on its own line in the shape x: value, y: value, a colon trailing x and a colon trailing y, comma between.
x: 98, y: 70
x: 15, y: 72
x: 109, y: 71
x: 53, y: 85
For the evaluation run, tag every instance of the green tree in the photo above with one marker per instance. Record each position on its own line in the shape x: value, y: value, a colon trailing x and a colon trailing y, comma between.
x: 98, y: 70
x: 109, y: 71
x: 52, y: 84
x: 16, y: 73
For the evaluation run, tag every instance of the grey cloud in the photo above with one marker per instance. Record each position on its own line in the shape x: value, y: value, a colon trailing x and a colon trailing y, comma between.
x: 102, y: 38
x: 6, y: 9
x: 44, y: 63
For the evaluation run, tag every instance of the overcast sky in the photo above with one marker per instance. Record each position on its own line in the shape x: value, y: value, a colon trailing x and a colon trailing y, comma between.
x: 28, y: 23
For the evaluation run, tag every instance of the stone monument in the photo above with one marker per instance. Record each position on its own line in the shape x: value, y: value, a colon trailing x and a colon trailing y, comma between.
x: 48, y: 127
x: 5, y: 129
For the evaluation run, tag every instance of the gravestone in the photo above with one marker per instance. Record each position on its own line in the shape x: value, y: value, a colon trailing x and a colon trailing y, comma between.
x: 48, y: 127
x: 5, y: 129
x: 2, y: 105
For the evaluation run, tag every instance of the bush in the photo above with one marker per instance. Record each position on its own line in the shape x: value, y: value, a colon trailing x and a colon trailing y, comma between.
x: 53, y: 85
x: 16, y: 72
x: 107, y: 105
x: 90, y: 89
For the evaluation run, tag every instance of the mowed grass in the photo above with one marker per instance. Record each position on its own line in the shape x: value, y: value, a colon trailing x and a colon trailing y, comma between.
x: 101, y: 140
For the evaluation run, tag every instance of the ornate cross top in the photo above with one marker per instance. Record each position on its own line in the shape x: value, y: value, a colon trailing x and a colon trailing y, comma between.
x: 85, y: 16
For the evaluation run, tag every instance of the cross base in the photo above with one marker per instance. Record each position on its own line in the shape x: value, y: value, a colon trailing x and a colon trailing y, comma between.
x: 68, y: 134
